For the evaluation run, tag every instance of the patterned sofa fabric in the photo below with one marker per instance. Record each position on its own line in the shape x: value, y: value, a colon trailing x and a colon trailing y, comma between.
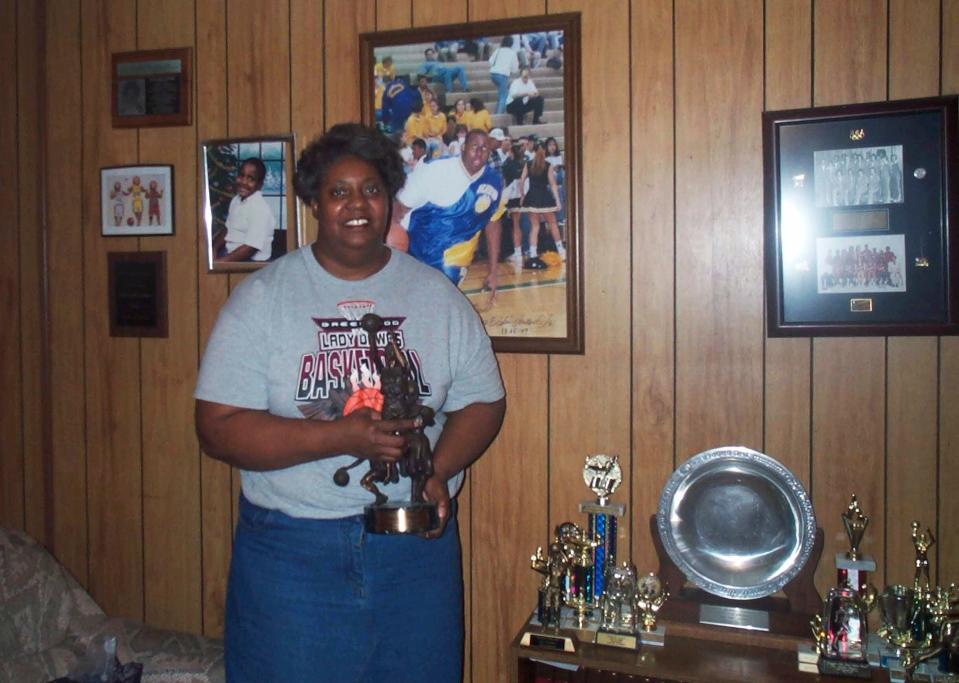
x: 48, y: 621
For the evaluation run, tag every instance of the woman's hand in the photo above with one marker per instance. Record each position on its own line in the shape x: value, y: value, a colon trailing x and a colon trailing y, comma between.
x: 366, y: 435
x: 436, y: 491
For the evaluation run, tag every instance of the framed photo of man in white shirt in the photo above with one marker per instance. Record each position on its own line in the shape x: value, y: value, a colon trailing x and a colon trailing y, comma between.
x: 249, y: 210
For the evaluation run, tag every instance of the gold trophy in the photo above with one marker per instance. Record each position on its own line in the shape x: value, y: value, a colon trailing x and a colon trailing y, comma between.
x: 650, y: 596
x: 853, y: 567
x: 922, y: 541
x: 580, y: 547
x: 618, y: 608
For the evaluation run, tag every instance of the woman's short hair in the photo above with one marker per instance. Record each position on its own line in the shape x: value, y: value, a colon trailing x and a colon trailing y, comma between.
x: 347, y: 139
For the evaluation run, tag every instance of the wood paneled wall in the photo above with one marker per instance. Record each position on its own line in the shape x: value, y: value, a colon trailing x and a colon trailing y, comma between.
x: 99, y: 459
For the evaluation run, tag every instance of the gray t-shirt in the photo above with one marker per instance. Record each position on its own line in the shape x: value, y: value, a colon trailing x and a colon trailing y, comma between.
x: 288, y: 341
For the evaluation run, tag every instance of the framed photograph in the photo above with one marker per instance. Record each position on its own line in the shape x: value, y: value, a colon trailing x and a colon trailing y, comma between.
x: 249, y: 208
x: 138, y: 293
x: 497, y: 211
x: 136, y: 201
x: 152, y: 88
x: 860, y: 221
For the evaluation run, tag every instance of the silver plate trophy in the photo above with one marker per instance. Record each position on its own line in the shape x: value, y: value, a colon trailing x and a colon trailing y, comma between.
x: 736, y: 522
x: 400, y: 401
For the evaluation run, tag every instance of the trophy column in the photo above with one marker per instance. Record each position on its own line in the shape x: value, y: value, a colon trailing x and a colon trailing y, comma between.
x: 603, y: 475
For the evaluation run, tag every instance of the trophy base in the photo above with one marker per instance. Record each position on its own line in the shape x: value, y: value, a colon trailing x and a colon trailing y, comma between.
x: 847, y: 668
x: 401, y: 518
x: 656, y: 637
x: 554, y: 640
x: 627, y: 641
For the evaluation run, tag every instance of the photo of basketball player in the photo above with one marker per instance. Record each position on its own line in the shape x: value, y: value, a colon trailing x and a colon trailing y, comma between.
x: 136, y: 200
x: 518, y: 265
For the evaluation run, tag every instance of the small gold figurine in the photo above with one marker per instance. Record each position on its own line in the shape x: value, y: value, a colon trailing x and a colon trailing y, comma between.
x: 922, y: 540
x: 553, y: 566
x: 650, y: 597
x: 819, y: 636
x: 855, y: 523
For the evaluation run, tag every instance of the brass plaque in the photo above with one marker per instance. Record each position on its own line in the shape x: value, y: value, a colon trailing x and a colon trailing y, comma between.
x: 860, y: 305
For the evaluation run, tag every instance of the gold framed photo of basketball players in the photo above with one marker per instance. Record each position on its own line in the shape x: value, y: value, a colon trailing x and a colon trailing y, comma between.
x: 487, y: 119
x: 249, y: 208
x: 860, y: 219
x: 152, y: 88
x: 136, y: 201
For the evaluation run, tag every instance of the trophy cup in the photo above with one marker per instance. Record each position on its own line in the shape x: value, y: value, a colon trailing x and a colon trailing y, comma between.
x: 400, y: 401
x: 617, y: 626
x: 650, y: 597
x: 580, y: 548
x: 852, y: 567
x: 897, y: 611
x: 602, y: 475
x: 841, y: 633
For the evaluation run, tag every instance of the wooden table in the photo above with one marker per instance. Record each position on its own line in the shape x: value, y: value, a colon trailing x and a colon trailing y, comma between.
x: 681, y: 659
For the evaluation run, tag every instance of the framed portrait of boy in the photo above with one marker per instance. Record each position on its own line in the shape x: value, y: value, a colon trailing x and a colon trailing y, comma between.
x: 487, y: 119
x: 249, y: 207
x: 136, y: 201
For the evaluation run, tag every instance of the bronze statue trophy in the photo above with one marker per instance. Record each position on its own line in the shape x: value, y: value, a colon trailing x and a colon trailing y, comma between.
x: 853, y: 567
x: 400, y: 401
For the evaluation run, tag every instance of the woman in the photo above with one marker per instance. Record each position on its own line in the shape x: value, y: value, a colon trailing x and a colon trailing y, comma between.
x: 503, y: 63
x: 479, y: 117
x: 512, y: 170
x: 542, y: 201
x: 461, y: 111
x: 555, y: 159
x: 311, y: 593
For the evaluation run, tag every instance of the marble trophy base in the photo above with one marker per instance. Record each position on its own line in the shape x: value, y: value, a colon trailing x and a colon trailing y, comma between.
x: 847, y: 668
x: 656, y: 637
x: 401, y: 518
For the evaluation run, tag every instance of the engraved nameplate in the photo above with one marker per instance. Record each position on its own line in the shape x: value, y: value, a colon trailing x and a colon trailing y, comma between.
x: 734, y: 617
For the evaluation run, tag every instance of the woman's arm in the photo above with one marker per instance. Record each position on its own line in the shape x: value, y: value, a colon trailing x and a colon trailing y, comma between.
x: 257, y: 440
x: 551, y: 175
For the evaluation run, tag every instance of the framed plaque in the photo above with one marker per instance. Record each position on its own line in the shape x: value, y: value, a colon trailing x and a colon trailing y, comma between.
x: 152, y: 88
x: 859, y: 220
x: 138, y: 293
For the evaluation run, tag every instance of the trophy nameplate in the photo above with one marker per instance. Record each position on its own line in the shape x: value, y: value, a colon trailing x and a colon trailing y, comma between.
x: 627, y: 641
x: 833, y: 666
x: 734, y: 617
x: 656, y: 637
x: 555, y: 642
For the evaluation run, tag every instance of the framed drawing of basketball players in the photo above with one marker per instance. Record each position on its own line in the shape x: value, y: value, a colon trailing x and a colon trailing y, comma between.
x: 487, y: 118
x: 860, y: 219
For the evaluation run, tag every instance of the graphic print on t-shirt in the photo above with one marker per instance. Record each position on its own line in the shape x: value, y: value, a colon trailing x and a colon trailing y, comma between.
x: 340, y: 375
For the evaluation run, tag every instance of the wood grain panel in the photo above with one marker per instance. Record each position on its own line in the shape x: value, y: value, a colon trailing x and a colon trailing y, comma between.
x: 430, y: 13
x: 913, y: 48
x: 947, y: 551
x: 848, y: 373
x: 653, y: 234
x: 258, y: 78
x: 113, y: 417
x: 589, y: 395
x: 216, y: 504
x: 393, y: 14
x: 849, y: 51
x: 913, y: 364
x: 719, y: 334
x: 308, y: 79
x: 508, y: 489
x: 64, y: 175
x: 12, y: 512
x: 171, y: 456
x: 912, y: 397
x: 788, y: 373
x: 34, y: 388
x: 345, y: 20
